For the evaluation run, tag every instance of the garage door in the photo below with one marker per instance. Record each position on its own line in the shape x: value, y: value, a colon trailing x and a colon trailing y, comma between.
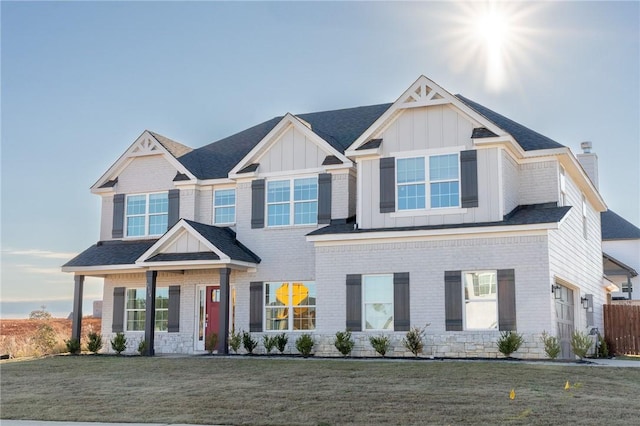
x: 564, y: 318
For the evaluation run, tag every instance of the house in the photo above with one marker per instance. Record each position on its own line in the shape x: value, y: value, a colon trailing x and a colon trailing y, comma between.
x: 432, y: 209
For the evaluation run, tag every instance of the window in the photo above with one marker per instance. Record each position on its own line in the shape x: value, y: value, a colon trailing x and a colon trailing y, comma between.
x: 135, y: 307
x: 584, y: 216
x: 290, y: 306
x: 303, y: 209
x: 480, y: 300
x: 224, y: 206
x: 147, y: 214
x: 378, y: 302
x: 443, y: 182
x: 563, y: 187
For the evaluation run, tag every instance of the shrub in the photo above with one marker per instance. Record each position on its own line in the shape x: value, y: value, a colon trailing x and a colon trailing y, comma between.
x: 343, y: 342
x: 580, y: 343
x: 94, y: 342
x: 248, y: 342
x: 73, y: 346
x: 509, y: 342
x: 304, y: 344
x: 45, y: 338
x: 269, y: 343
x: 142, y: 347
x: 380, y: 344
x: 603, y: 348
x: 551, y: 345
x: 40, y: 314
x: 119, y: 343
x: 235, y: 340
x: 414, y: 340
x: 211, y: 341
x: 281, y: 342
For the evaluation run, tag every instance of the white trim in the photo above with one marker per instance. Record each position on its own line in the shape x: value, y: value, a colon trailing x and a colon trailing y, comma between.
x: 429, y: 212
x: 501, y: 193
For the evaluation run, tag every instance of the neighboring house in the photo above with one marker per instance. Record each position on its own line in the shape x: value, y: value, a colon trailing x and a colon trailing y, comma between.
x: 429, y: 210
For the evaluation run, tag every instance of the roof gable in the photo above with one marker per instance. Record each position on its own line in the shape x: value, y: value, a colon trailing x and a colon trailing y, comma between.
x: 615, y: 227
x: 147, y: 144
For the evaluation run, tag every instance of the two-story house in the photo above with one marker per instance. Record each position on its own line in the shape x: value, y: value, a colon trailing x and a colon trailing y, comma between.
x: 429, y: 210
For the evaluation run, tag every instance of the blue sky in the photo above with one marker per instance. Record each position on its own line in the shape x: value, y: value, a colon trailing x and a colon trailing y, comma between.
x: 80, y: 82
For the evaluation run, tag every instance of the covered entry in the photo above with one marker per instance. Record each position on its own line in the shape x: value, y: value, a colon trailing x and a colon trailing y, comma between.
x: 565, y: 313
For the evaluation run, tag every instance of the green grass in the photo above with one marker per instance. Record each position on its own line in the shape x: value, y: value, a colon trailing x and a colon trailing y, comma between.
x: 258, y: 390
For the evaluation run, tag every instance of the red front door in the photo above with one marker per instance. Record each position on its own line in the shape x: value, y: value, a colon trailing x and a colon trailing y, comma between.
x: 213, y: 308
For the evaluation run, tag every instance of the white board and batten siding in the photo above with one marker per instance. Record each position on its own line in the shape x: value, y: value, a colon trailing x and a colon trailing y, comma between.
x: 292, y: 151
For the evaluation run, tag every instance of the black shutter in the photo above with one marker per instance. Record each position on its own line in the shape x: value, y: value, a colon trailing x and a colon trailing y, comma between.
x: 174, y: 309
x: 401, y: 319
x: 590, y: 309
x: 256, y: 301
x: 469, y: 178
x: 453, y: 300
x: 117, y: 231
x: 257, y: 203
x: 506, y: 300
x: 387, y: 185
x: 324, y: 198
x: 117, y: 322
x: 174, y: 207
x: 354, y: 302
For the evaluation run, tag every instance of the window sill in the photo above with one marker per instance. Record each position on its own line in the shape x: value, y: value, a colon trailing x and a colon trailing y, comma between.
x: 428, y: 212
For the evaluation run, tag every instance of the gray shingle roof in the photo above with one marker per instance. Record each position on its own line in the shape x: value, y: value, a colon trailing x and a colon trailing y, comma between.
x: 521, y: 215
x: 615, y: 227
x: 178, y: 257
x: 114, y: 252
x: 225, y: 240
x: 528, y: 139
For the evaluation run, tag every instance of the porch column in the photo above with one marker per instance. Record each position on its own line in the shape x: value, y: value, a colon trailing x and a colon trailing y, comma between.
x: 150, y: 313
x: 76, y: 321
x: 223, y: 324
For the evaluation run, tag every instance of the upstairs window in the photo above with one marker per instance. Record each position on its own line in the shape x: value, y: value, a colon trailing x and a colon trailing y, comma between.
x: 224, y: 206
x: 295, y: 199
x: 439, y: 182
x: 563, y: 187
x: 147, y: 214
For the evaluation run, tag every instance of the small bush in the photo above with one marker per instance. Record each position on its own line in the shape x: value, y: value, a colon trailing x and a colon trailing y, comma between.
x: 281, y: 342
x: 304, y: 344
x: 45, y: 338
x: 380, y: 344
x: 73, y: 346
x: 580, y: 343
x: 142, y: 347
x: 40, y: 314
x: 509, y: 342
x: 343, y: 342
x: 603, y: 348
x: 551, y: 345
x: 248, y: 342
x: 94, y: 342
x: 414, y: 340
x: 235, y: 340
x: 269, y: 343
x: 210, y: 342
x: 119, y: 343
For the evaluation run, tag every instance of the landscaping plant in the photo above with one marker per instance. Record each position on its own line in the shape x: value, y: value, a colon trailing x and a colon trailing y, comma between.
x: 414, y: 340
x: 94, y: 342
x: 45, y: 338
x: 73, y: 346
x: 581, y: 343
x: 142, y: 347
x: 380, y: 344
x: 269, y: 343
x: 235, y: 340
x: 603, y: 348
x: 343, y: 342
x: 210, y: 342
x: 509, y: 342
x: 119, y: 343
x: 281, y: 342
x: 304, y: 344
x: 551, y: 345
x: 248, y: 342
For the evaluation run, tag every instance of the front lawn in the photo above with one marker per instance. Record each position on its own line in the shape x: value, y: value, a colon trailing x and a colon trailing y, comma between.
x: 259, y: 390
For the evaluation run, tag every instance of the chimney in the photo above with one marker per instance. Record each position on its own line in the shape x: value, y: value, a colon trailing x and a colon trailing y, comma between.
x: 589, y: 162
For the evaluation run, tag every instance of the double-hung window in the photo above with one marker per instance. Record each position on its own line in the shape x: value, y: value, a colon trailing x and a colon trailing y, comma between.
x: 293, y: 201
x: 563, y: 187
x: 147, y: 214
x: 481, y: 300
x: 135, y: 307
x: 224, y: 206
x: 435, y: 178
x: 378, y: 302
x: 290, y: 306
